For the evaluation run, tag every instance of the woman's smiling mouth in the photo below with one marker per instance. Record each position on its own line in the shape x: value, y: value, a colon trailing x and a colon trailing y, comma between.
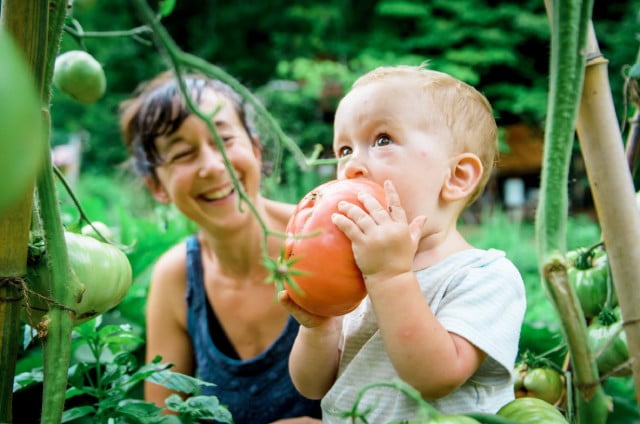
x: 217, y: 194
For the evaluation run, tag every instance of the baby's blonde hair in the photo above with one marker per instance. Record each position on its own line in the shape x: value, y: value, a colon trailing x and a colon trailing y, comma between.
x: 463, y: 109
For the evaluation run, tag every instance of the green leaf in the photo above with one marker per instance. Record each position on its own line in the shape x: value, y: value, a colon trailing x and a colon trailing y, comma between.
x: 138, y: 411
x: 178, y: 382
x: 402, y: 9
x: 77, y: 412
x: 200, y: 407
x: 166, y: 7
x: 26, y: 379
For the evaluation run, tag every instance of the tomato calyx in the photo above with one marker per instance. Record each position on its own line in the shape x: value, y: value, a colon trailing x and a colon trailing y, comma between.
x: 281, y: 270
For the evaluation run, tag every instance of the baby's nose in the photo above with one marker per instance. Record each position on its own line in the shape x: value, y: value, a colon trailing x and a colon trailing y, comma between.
x: 354, y: 168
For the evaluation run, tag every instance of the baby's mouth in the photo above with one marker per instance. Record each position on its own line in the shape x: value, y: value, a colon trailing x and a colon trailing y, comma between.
x: 218, y: 194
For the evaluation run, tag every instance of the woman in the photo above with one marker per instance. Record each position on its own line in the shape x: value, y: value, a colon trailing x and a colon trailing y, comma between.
x: 209, y: 311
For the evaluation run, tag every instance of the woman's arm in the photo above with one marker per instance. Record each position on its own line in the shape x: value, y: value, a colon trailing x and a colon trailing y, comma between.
x: 166, y: 320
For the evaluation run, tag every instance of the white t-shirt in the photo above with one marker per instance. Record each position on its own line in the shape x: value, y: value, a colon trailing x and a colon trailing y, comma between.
x: 477, y: 294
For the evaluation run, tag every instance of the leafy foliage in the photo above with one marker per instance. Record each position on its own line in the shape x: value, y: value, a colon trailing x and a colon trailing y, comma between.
x: 302, y: 56
x: 101, y: 382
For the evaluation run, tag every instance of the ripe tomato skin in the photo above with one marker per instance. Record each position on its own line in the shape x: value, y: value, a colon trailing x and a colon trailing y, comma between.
x: 529, y: 410
x: 332, y: 283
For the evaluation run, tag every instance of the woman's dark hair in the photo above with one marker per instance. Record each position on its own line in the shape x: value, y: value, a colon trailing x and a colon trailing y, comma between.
x: 158, y: 109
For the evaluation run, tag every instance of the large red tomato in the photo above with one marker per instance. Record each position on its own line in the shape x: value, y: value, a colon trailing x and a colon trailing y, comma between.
x: 331, y: 283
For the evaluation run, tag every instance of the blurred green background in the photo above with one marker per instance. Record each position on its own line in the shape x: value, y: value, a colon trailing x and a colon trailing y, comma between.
x: 300, y: 57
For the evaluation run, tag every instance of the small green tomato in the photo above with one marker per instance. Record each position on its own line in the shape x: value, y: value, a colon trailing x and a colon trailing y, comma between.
x: 79, y: 75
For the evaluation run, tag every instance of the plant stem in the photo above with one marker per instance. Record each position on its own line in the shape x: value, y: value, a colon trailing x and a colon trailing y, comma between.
x: 569, y: 23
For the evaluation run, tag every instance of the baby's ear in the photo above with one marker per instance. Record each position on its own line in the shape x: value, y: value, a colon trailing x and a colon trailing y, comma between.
x: 157, y: 190
x: 465, y: 173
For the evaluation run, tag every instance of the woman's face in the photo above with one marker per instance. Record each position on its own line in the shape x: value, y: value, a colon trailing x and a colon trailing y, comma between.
x: 194, y: 176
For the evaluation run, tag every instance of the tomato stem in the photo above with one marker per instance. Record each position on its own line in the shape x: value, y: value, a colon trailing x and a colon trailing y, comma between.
x: 425, y: 410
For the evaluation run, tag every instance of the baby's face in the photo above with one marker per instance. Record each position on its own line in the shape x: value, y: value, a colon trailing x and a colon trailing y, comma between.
x: 382, y: 133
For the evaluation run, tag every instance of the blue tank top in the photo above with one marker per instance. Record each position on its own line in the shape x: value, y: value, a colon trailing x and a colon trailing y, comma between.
x: 258, y: 390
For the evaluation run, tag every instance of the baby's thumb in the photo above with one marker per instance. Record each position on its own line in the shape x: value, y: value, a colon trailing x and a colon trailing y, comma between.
x: 418, y: 228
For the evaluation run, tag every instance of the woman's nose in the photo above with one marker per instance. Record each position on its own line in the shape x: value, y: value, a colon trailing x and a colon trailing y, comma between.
x: 211, y: 161
x: 354, y: 168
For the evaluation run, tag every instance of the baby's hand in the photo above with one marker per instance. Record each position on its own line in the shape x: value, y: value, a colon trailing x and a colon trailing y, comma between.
x: 384, y: 243
x: 304, y: 317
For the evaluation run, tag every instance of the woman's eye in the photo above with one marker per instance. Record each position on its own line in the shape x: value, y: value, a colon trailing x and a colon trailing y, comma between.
x: 180, y: 156
x: 344, y: 151
x: 382, y: 140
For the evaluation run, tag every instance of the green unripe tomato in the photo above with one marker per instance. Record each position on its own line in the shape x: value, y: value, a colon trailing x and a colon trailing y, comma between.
x: 103, y: 270
x: 544, y: 383
x: 589, y: 277
x: 599, y: 334
x: 453, y: 419
x: 22, y: 143
x: 79, y: 75
x: 102, y: 228
x: 528, y: 410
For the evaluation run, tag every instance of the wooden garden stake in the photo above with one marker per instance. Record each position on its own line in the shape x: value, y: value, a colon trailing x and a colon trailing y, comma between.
x: 613, y: 193
x: 37, y: 27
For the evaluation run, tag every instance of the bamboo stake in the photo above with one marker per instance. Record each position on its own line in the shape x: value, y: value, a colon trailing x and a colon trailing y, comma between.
x: 613, y: 193
x: 14, y: 232
x: 23, y: 21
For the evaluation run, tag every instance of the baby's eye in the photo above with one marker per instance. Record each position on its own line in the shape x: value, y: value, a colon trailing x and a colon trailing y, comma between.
x: 344, y: 151
x: 383, y: 140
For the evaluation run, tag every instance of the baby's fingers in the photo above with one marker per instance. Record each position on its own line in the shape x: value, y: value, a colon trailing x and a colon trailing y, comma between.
x: 393, y: 203
x: 305, y: 318
x: 418, y: 228
x: 348, y: 226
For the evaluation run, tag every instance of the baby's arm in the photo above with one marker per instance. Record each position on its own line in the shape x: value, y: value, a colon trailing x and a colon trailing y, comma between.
x: 313, y: 362
x: 423, y: 352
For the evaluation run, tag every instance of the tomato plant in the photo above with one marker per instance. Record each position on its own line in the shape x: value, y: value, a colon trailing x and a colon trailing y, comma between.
x: 22, y: 142
x: 102, y: 268
x: 608, y: 342
x: 330, y: 282
x: 80, y: 76
x: 529, y: 410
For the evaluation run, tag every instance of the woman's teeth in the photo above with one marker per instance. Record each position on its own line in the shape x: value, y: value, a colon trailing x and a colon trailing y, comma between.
x: 218, y: 194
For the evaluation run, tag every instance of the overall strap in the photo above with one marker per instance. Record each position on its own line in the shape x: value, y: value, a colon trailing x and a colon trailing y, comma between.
x: 197, y: 296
